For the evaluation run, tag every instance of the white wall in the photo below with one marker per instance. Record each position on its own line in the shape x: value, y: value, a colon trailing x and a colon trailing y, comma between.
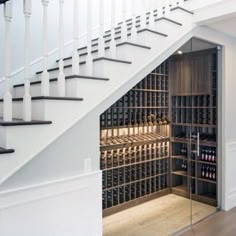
x: 71, y: 206
x: 65, y: 157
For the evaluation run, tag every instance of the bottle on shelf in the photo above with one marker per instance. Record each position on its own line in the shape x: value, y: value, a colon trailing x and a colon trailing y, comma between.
x: 203, y: 155
x: 213, y: 156
x: 203, y: 172
x: 207, y: 172
x: 206, y: 155
x: 214, y: 174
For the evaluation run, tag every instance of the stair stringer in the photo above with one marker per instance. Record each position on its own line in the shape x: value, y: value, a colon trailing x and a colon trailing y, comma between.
x: 82, y: 149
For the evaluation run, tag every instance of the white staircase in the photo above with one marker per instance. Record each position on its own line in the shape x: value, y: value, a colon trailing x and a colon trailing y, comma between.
x: 159, y: 34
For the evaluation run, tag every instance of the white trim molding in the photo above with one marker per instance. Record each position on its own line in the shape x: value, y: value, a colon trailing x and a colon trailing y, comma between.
x: 25, y: 195
x: 230, y: 175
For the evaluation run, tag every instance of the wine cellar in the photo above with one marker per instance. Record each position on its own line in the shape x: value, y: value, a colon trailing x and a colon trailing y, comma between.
x: 160, y: 137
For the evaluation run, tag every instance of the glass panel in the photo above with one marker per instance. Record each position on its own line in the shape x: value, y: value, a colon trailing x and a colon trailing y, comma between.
x: 203, y: 183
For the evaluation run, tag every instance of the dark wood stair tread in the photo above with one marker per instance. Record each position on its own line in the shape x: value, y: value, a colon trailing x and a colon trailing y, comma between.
x: 152, y: 31
x: 84, y: 62
x: 48, y: 98
x: 67, y: 78
x: 108, y: 47
x: 6, y: 151
x: 182, y: 9
x: 20, y: 122
x: 168, y: 19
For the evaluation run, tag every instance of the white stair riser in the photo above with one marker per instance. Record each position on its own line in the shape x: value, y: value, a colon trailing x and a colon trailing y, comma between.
x: 129, y: 53
x: 166, y: 27
x: 147, y: 38
x: 42, y: 109
x: 181, y: 16
x: 100, y: 69
x: 73, y: 86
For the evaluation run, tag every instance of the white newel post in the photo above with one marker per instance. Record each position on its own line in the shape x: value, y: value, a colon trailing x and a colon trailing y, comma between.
x: 45, y: 74
x: 75, y: 56
x: 124, y: 25
x: 61, y: 76
x: 113, y: 24
x: 7, y: 98
x: 27, y: 97
x: 133, y: 29
x: 101, y: 44
x: 89, y: 59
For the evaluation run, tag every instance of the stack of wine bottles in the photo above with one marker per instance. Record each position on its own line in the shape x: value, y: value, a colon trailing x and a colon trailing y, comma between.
x: 208, y: 154
x: 208, y: 172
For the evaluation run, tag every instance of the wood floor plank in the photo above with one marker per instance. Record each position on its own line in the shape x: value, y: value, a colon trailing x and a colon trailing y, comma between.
x: 220, y: 224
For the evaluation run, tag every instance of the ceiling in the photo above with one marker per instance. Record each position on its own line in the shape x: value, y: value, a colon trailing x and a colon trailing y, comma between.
x: 227, y: 26
x: 195, y: 45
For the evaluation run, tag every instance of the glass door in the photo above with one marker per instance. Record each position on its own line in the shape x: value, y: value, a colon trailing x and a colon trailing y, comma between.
x: 203, y: 135
x: 182, y: 176
x: 193, y: 89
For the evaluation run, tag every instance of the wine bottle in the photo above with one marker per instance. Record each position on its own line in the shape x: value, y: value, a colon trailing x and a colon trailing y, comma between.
x: 203, y: 155
x: 210, y: 155
x: 214, y: 174
x: 207, y: 172
x: 203, y: 171
x: 206, y: 155
x: 210, y: 173
x: 213, y: 156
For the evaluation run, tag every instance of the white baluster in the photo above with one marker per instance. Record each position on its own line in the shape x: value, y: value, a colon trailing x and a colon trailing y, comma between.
x: 151, y: 16
x: 101, y: 44
x: 27, y: 97
x: 124, y: 25
x: 167, y: 8
x: 113, y: 22
x: 89, y: 59
x: 61, y: 76
x: 144, y: 15
x: 45, y: 74
x: 163, y: 8
x: 75, y: 56
x: 7, y: 98
x: 134, y: 29
x: 180, y: 3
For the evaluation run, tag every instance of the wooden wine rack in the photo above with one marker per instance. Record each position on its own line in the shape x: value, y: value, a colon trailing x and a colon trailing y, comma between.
x: 195, y: 110
x: 144, y: 133
x: 134, y: 144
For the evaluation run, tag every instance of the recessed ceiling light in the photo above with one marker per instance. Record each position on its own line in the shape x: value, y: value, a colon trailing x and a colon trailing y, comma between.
x: 180, y: 52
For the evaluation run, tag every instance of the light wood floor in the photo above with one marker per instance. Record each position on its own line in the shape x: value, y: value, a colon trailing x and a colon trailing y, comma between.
x: 160, y: 217
x: 219, y: 224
